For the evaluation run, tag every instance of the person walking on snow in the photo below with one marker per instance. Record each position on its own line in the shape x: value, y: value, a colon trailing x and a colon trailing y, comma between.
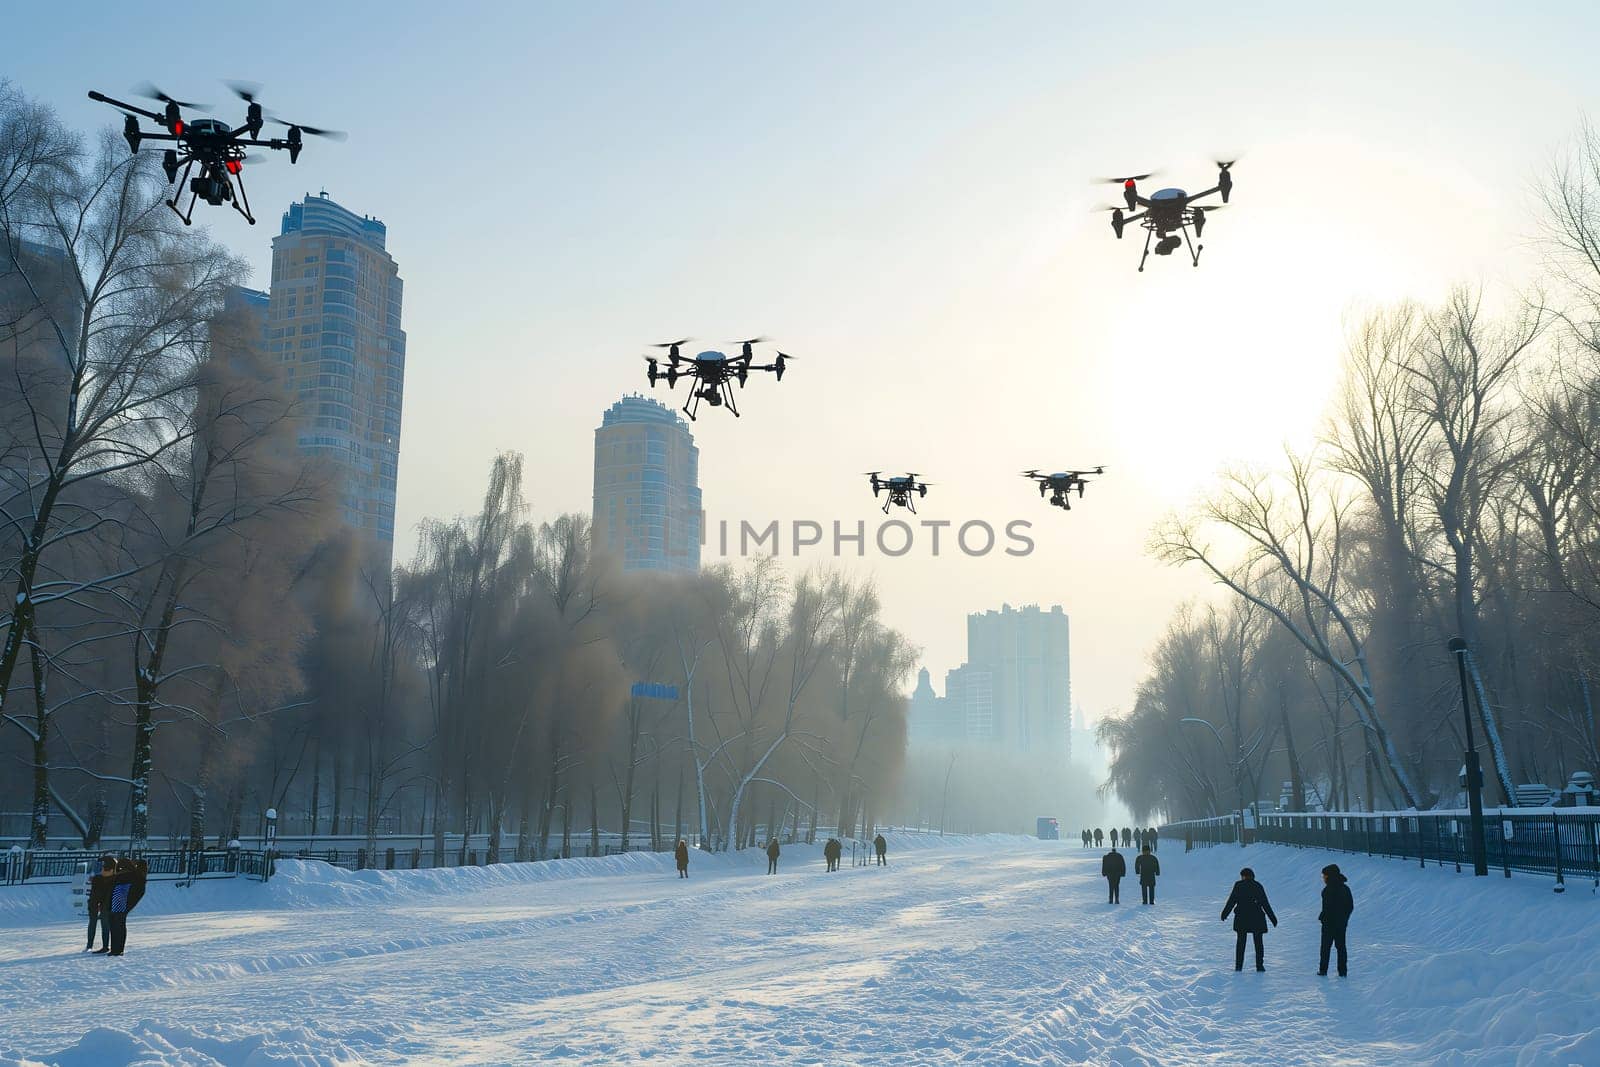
x: 831, y: 851
x: 881, y: 847
x: 1251, y: 910
x: 772, y: 856
x: 1127, y: 837
x: 1098, y: 837
x: 1146, y: 867
x: 100, y: 904
x: 1112, y: 868
x: 1337, y: 904
x: 682, y: 855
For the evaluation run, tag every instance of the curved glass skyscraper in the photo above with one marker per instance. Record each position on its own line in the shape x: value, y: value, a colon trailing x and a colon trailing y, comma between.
x: 647, y: 508
x: 333, y: 326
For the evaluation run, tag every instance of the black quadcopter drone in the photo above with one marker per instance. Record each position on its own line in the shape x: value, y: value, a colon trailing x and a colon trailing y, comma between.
x: 713, y: 373
x: 216, y: 147
x: 1168, y: 213
x: 902, y: 490
x: 1058, y: 485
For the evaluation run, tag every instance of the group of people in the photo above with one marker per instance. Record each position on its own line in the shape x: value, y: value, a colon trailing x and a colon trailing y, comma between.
x: 1249, y: 906
x: 831, y: 851
x: 113, y: 893
x: 1131, y: 836
x: 1113, y: 868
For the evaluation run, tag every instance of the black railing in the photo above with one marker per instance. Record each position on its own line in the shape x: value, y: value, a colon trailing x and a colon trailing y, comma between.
x: 1563, y: 842
x: 184, y: 866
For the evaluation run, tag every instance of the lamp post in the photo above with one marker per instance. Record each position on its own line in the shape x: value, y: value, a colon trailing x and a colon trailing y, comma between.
x: 1480, y: 853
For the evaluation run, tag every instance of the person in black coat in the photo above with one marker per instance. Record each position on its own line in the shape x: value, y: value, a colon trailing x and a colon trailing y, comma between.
x: 1337, y: 904
x: 1251, y: 910
x: 1146, y: 867
x: 1099, y: 838
x: 772, y: 856
x: 100, y: 904
x: 881, y: 847
x: 682, y: 855
x: 127, y: 889
x: 1112, y: 868
x: 832, y: 849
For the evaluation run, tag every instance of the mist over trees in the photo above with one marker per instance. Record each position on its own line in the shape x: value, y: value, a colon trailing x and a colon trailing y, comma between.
x: 1454, y: 491
x: 191, y: 637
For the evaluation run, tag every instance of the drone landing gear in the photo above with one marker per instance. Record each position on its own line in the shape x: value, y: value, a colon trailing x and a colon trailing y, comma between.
x: 241, y: 202
x: 1148, y: 231
x: 1194, y: 250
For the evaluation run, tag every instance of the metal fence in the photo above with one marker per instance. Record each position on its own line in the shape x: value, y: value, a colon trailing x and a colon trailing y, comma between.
x: 1563, y: 842
x: 183, y: 866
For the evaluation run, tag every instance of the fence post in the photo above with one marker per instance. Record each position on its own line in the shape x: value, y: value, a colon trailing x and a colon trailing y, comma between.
x: 1594, y: 851
x: 1555, y: 828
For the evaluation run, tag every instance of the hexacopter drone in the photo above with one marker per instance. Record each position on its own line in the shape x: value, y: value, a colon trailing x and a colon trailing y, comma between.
x: 713, y: 372
x: 216, y: 147
x: 903, y: 490
x: 1058, y: 485
x: 1168, y: 213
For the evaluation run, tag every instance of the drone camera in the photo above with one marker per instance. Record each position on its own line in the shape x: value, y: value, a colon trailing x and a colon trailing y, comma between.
x: 1168, y: 245
x: 212, y: 190
x: 130, y: 132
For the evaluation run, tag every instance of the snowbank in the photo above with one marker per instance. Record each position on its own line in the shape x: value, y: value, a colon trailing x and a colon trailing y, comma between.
x: 302, y: 884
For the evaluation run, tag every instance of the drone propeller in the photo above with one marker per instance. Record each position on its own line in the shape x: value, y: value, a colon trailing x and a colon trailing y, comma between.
x: 752, y: 341
x: 1228, y: 165
x: 1034, y: 473
x: 246, y: 91
x: 148, y: 90
x: 1127, y: 179
x: 315, y: 131
x: 673, y: 344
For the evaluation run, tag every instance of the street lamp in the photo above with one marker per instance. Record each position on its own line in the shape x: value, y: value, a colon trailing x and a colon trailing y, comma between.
x: 1480, y: 854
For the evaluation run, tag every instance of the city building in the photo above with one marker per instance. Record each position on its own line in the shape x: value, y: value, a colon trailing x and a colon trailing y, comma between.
x: 647, y: 507
x: 1015, y: 689
x: 333, y: 329
x: 1027, y: 652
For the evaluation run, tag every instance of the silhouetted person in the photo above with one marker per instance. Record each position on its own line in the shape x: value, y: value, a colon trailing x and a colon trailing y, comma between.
x: 1337, y: 904
x: 100, y: 904
x: 1086, y: 837
x: 1155, y: 840
x: 831, y: 851
x: 1112, y: 868
x: 1248, y: 903
x: 881, y: 847
x: 127, y: 889
x: 1098, y: 837
x: 772, y: 856
x: 682, y: 854
x: 1146, y: 868
x: 1127, y: 837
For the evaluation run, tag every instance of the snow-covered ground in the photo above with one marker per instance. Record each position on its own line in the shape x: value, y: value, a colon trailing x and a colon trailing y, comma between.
x: 985, y: 951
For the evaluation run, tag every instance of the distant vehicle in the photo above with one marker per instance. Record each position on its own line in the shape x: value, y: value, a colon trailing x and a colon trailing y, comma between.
x: 1048, y: 829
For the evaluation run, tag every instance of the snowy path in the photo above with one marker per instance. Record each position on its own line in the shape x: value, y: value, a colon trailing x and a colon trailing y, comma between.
x: 989, y: 952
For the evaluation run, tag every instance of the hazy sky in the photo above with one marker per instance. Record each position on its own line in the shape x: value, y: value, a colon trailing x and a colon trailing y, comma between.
x: 899, y: 194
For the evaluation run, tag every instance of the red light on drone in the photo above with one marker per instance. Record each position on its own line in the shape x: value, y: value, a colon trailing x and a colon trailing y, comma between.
x: 233, y: 166
x: 177, y: 128
x: 1128, y: 184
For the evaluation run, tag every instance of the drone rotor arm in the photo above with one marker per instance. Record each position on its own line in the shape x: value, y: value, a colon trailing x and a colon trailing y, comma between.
x: 104, y: 99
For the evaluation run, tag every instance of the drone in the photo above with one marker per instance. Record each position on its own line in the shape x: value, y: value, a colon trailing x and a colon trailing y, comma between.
x: 1168, y: 213
x: 1058, y: 485
x: 901, y: 490
x: 713, y: 373
x: 212, y: 144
